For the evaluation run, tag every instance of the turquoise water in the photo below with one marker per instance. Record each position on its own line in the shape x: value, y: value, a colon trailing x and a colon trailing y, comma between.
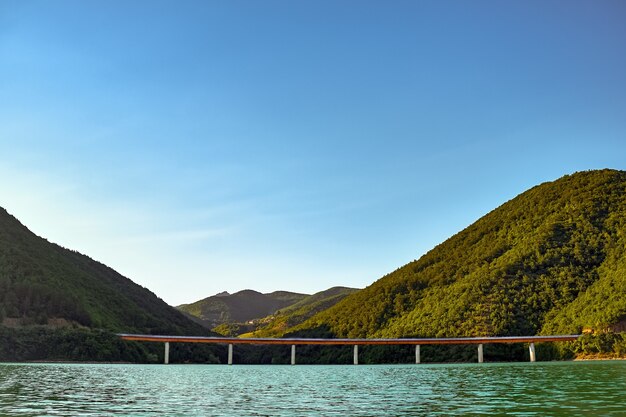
x: 518, y: 389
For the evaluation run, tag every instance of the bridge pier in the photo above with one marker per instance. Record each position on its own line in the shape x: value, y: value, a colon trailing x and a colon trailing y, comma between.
x: 230, y: 353
x: 417, y: 354
x: 480, y: 353
x: 293, y: 354
x: 356, y: 354
x: 531, y: 349
x: 166, y: 356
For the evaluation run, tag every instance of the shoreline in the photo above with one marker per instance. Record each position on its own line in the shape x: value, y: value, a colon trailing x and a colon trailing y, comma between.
x: 597, y: 358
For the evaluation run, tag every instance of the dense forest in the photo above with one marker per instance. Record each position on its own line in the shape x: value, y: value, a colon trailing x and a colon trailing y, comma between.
x: 552, y: 260
x: 49, y: 292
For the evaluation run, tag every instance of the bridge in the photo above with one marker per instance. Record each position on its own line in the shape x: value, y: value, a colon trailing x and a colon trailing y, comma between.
x: 417, y: 342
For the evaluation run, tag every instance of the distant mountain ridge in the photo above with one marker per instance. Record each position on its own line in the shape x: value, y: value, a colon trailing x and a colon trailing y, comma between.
x: 239, y: 307
x: 294, y: 314
x: 250, y: 313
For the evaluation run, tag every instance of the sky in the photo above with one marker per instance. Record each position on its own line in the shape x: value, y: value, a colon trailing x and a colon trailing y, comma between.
x: 207, y: 146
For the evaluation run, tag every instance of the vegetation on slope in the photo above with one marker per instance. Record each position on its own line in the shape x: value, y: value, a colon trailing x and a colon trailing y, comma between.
x: 290, y: 316
x: 44, y: 287
x: 551, y: 260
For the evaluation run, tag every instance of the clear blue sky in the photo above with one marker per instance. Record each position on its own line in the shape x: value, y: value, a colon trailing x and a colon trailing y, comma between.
x: 202, y: 146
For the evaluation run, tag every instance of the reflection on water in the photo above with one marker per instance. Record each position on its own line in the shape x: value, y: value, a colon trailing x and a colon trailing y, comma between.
x: 517, y: 389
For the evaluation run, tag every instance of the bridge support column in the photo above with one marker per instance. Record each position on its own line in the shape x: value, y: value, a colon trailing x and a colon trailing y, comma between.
x: 531, y: 349
x: 230, y: 353
x: 417, y: 354
x: 293, y: 354
x: 166, y: 356
x: 480, y: 353
x: 356, y: 354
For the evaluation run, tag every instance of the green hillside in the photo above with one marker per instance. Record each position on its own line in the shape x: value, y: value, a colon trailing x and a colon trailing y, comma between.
x: 239, y: 307
x: 47, y: 291
x: 299, y: 312
x: 552, y: 260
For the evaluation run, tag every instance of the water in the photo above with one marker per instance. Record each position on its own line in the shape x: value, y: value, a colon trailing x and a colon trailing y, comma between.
x: 518, y: 389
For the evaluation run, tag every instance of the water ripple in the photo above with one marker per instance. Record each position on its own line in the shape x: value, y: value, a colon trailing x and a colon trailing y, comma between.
x: 521, y: 389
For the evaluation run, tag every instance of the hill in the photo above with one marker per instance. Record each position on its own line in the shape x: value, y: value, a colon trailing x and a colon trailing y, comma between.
x: 239, y: 307
x: 552, y: 260
x: 299, y: 312
x: 47, y: 290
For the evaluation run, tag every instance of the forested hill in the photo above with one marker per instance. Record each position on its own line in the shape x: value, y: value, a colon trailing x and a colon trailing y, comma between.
x: 42, y: 283
x: 551, y: 260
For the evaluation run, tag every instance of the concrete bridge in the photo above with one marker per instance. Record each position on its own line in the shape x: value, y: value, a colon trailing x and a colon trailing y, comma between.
x: 230, y: 341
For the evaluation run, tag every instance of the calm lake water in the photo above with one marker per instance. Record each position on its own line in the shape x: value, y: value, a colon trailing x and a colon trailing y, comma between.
x: 518, y: 389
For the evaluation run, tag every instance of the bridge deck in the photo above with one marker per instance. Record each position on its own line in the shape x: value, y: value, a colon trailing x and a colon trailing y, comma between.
x: 305, y: 341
